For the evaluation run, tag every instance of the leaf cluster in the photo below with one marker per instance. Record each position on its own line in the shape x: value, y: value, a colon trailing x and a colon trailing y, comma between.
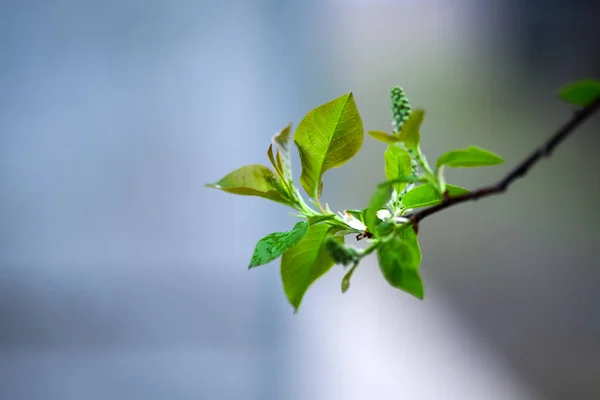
x: 328, y: 137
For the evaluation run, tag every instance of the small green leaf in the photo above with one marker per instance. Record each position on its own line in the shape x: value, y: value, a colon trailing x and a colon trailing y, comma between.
x: 282, y: 140
x: 410, y: 132
x: 327, y: 137
x: 378, y: 200
x: 397, y: 165
x: 316, y: 219
x: 472, y: 156
x: 347, y: 277
x: 341, y: 253
x: 383, y: 137
x: 306, y: 262
x: 399, y: 266
x: 426, y: 195
x: 275, y: 244
x: 253, y: 180
x: 581, y: 93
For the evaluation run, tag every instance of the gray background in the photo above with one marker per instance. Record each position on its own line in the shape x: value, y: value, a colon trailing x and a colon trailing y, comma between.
x: 122, y: 277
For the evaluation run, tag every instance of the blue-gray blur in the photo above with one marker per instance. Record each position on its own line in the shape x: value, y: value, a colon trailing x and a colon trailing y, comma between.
x: 122, y: 277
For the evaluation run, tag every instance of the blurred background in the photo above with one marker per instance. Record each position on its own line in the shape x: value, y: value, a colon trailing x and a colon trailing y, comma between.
x: 122, y: 277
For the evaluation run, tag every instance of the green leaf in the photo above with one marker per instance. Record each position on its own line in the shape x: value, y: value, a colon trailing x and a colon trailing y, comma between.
x: 306, y: 262
x: 427, y: 195
x: 282, y: 140
x: 275, y: 244
x: 409, y: 236
x: 316, y: 219
x: 581, y: 93
x: 378, y: 200
x: 347, y: 277
x: 397, y: 165
x: 341, y: 253
x: 383, y: 137
x: 385, y: 228
x: 399, y: 266
x: 403, y: 179
x: 472, y: 156
x: 273, y: 162
x: 410, y: 133
x: 253, y: 180
x: 327, y: 137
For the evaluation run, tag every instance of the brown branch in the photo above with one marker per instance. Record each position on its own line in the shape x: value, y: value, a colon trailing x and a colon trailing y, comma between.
x: 518, y: 172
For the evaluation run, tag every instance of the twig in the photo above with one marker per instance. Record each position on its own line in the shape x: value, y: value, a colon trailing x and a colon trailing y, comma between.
x: 519, y: 171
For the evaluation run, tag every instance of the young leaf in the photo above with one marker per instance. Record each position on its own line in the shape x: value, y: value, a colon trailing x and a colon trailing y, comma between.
x: 472, y: 156
x: 383, y: 137
x: 282, y: 140
x: 253, y: 180
x: 399, y: 267
x: 306, y: 262
x: 378, y: 200
x: 397, y: 165
x: 327, y: 137
x: 410, y: 133
x: 316, y: 219
x: 581, y: 93
x: 275, y: 244
x: 347, y: 277
x: 426, y: 195
x: 273, y: 162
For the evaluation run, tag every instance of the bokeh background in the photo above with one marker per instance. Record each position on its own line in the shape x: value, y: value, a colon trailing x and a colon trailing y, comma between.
x: 122, y: 277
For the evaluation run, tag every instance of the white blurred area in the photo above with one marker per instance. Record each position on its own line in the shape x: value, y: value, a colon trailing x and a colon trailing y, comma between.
x: 376, y: 343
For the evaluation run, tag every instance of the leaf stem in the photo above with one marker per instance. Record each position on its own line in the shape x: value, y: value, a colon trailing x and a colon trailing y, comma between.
x: 430, y: 174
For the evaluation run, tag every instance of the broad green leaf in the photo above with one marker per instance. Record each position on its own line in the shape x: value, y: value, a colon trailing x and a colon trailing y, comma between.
x: 378, y: 200
x: 316, y: 219
x: 306, y: 262
x: 253, y: 180
x: 410, y: 133
x: 347, y: 277
x: 408, y: 236
x: 426, y: 195
x: 341, y: 253
x: 581, y: 93
x: 399, y: 266
x: 327, y: 137
x: 397, y: 165
x: 275, y: 244
x: 282, y: 140
x: 383, y: 137
x: 472, y: 156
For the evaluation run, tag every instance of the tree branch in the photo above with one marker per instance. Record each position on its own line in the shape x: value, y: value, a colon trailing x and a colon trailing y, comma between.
x: 518, y: 172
